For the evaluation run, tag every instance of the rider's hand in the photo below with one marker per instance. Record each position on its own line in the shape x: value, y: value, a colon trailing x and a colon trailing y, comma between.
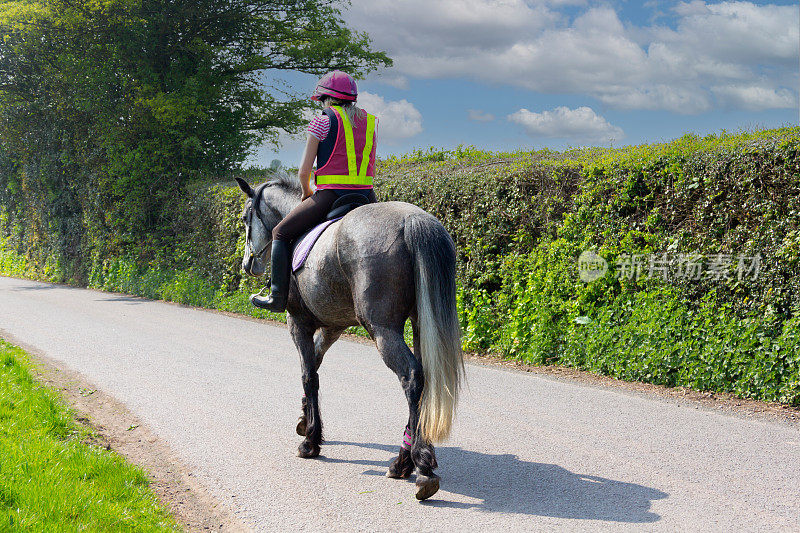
x: 307, y: 194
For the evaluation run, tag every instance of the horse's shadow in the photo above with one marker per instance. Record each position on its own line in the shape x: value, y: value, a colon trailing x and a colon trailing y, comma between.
x: 504, y: 483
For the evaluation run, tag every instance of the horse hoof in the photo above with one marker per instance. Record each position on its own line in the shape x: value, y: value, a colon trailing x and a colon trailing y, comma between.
x: 393, y: 474
x: 301, y: 426
x: 399, y: 469
x: 427, y: 486
x: 308, y: 450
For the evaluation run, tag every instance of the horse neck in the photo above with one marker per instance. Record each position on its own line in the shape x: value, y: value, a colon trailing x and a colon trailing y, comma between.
x: 281, y: 199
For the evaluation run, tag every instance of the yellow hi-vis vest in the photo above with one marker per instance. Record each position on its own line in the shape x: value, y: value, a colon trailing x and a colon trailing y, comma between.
x: 342, y: 167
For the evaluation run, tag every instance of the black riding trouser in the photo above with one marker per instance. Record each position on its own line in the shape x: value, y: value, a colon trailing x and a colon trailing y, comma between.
x: 312, y: 211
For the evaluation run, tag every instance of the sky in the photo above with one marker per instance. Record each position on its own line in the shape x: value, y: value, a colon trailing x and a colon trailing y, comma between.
x: 503, y: 75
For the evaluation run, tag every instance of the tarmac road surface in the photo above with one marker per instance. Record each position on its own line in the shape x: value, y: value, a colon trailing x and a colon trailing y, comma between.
x: 528, y: 453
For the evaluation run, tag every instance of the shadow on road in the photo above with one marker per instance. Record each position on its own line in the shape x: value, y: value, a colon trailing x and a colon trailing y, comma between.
x: 130, y: 300
x: 42, y: 287
x: 504, y: 483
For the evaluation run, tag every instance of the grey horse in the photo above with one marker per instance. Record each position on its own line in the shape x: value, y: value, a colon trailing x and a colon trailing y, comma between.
x: 378, y: 266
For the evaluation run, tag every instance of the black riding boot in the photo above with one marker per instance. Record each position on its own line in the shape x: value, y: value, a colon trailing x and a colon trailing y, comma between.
x: 279, y: 289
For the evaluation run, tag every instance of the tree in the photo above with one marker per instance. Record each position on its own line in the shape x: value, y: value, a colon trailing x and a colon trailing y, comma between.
x: 109, y: 107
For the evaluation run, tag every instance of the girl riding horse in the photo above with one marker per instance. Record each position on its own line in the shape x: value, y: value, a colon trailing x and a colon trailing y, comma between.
x: 380, y: 266
x: 342, y: 140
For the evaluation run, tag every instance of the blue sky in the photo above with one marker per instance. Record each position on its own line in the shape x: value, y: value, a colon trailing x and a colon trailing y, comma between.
x: 509, y: 74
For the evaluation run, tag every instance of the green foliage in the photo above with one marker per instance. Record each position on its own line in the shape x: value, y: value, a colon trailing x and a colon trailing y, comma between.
x: 655, y: 336
x: 110, y: 110
x: 50, y: 479
x: 11, y: 263
x: 490, y: 203
x: 179, y: 286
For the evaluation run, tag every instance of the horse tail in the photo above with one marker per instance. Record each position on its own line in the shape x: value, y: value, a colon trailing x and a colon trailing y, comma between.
x: 437, y: 319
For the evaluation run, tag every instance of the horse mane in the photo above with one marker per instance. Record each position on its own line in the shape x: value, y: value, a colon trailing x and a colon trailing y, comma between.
x: 280, y: 178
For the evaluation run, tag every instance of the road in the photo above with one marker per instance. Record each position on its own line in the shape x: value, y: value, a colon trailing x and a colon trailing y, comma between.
x: 528, y: 453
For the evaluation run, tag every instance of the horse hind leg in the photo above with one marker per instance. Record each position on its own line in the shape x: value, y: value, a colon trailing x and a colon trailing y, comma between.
x: 323, y: 339
x: 303, y: 336
x: 402, y: 467
x: 419, y: 454
x: 423, y: 453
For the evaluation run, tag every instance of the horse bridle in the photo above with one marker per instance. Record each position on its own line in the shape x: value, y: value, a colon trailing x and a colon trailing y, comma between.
x: 255, y: 202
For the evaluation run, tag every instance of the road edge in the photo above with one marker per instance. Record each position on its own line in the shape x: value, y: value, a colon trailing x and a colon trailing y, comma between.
x: 115, y: 427
x: 718, y: 402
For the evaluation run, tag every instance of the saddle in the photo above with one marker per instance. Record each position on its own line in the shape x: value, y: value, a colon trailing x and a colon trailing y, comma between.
x: 346, y: 203
x: 339, y: 209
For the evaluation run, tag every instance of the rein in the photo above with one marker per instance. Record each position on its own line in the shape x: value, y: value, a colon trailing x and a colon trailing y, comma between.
x: 257, y: 197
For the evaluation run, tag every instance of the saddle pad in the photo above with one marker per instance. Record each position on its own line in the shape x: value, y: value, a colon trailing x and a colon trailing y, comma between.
x: 306, y: 243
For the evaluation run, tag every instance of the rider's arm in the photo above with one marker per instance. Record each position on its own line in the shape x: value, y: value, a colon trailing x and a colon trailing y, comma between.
x: 304, y: 172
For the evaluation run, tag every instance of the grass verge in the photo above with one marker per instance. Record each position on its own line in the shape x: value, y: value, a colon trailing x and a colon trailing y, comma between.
x: 51, y: 477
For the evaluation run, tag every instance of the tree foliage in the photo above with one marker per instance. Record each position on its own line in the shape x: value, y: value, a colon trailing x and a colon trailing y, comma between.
x: 109, y: 107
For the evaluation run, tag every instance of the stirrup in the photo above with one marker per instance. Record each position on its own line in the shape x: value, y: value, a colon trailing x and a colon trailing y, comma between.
x: 260, y: 293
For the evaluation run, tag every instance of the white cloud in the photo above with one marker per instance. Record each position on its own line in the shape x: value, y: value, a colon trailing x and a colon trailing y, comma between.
x: 755, y: 98
x: 678, y: 99
x: 399, y: 119
x: 581, y: 125
x: 538, y: 47
x: 390, y: 78
x: 479, y: 116
x: 737, y: 31
x: 427, y: 28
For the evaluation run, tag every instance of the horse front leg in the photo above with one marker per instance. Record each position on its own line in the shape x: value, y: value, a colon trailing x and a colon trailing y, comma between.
x: 323, y: 339
x: 303, y: 336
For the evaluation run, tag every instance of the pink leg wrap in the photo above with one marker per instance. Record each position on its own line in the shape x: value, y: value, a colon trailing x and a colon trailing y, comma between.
x: 408, y: 440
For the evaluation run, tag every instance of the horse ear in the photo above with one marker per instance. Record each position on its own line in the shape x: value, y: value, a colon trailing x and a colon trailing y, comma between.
x: 245, y: 187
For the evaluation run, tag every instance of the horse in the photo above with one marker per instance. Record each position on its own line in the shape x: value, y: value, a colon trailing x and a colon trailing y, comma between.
x: 380, y: 265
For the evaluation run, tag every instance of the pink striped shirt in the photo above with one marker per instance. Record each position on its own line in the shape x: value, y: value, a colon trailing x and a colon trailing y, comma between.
x: 319, y: 127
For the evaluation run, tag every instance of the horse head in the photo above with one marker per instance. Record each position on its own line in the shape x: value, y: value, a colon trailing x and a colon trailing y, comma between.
x: 266, y: 205
x: 258, y: 229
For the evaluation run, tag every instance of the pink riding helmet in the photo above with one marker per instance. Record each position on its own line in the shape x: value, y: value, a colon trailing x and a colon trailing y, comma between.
x: 337, y: 84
